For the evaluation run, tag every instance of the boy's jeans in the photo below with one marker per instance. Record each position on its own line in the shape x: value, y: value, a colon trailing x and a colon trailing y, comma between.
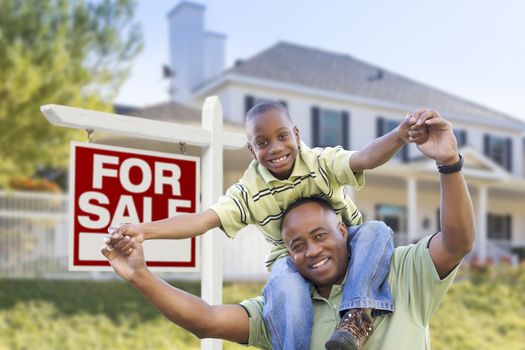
x: 288, y: 310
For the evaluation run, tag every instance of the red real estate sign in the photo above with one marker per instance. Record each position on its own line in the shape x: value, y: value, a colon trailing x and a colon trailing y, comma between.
x: 111, y: 185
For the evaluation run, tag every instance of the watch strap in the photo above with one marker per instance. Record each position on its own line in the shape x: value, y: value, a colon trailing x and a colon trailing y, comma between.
x: 451, y: 168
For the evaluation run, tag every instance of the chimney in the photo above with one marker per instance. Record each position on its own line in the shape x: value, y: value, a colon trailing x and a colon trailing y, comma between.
x: 213, y: 54
x: 195, y: 55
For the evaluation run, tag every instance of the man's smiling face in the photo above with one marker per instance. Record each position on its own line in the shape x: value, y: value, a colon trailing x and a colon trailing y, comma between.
x: 316, y: 242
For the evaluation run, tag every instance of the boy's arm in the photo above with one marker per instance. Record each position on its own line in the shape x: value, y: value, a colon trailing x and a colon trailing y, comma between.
x: 178, y: 227
x: 190, y: 312
x: 382, y: 149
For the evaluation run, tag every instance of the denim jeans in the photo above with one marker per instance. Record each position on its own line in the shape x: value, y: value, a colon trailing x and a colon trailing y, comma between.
x: 288, y: 309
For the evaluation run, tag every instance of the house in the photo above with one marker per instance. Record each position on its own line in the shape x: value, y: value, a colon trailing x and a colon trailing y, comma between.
x: 336, y: 99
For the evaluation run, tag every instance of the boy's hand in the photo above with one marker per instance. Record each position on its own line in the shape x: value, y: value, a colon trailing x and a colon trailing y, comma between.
x: 403, y: 128
x: 123, y: 245
x: 419, y: 131
x: 121, y: 238
x: 413, y: 128
x: 132, y: 230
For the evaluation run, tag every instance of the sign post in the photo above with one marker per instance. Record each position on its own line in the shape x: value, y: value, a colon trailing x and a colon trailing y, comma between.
x: 210, y: 136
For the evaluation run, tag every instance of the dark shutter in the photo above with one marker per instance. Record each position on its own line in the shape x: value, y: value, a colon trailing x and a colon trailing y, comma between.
x: 249, y: 102
x: 486, y: 144
x: 404, y: 154
x: 316, y: 125
x: 345, y: 129
x: 380, y: 126
x: 508, y: 164
x: 464, y: 137
x: 508, y: 227
x: 438, y: 219
x: 461, y: 137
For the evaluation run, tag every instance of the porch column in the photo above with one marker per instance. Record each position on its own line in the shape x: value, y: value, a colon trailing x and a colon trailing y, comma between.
x: 481, y: 230
x: 412, y: 218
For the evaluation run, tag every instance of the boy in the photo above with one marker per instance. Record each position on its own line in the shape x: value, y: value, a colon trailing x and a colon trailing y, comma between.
x: 284, y: 170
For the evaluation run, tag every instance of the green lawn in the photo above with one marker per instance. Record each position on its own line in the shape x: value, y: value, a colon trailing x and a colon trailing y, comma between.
x: 483, y: 310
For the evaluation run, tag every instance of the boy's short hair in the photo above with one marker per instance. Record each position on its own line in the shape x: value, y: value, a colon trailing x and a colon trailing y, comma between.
x: 265, y: 106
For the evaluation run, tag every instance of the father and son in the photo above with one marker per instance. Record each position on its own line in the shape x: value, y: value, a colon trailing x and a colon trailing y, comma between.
x: 335, y: 282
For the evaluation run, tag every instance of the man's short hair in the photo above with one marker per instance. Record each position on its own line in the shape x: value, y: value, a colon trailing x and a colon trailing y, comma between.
x: 264, y: 107
x: 318, y: 200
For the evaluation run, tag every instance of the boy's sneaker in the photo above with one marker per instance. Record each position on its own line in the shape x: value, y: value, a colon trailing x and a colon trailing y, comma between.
x: 353, y: 331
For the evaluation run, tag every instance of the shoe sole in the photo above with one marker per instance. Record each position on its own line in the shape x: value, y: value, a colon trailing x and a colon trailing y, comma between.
x: 341, y: 341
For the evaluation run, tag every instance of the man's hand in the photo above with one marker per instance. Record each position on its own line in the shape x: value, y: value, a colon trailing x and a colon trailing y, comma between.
x: 441, y: 144
x: 126, y: 264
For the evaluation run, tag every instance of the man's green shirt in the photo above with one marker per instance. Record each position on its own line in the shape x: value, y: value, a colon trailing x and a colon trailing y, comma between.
x: 416, y: 290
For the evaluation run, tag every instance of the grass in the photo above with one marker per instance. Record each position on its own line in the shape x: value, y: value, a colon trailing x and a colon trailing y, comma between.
x: 41, y: 314
x: 484, y: 310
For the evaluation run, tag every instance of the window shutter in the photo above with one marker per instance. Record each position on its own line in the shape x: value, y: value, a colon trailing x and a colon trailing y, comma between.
x: 438, y: 219
x: 380, y: 126
x: 509, y: 155
x: 404, y: 154
x: 461, y: 137
x: 486, y: 144
x: 508, y: 227
x: 345, y: 129
x: 316, y: 125
x: 249, y: 102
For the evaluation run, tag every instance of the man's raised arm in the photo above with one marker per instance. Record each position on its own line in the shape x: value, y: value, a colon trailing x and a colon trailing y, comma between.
x: 228, y: 322
x: 456, y: 239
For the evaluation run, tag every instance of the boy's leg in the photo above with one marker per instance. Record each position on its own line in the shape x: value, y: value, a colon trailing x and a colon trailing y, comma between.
x: 288, y: 309
x: 371, y: 245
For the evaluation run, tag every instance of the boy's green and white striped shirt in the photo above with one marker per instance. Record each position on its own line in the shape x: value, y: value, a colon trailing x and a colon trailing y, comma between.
x: 261, y: 199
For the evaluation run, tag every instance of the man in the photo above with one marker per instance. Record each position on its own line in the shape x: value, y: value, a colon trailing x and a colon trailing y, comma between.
x: 419, y: 274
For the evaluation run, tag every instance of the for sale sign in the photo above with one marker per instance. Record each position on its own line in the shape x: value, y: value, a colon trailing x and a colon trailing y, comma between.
x: 111, y: 185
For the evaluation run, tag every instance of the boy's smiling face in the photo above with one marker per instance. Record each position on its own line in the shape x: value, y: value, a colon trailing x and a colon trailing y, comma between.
x: 274, y: 142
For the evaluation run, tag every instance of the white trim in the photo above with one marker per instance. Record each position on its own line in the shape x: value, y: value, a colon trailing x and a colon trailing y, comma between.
x: 482, y: 236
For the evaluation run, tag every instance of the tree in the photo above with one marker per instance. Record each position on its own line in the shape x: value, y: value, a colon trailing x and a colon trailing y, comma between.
x: 75, y: 53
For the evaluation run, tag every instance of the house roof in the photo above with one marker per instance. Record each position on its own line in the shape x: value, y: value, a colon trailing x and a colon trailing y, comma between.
x: 341, y: 73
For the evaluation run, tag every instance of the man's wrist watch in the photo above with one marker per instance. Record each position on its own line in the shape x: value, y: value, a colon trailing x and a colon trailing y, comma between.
x: 452, y: 168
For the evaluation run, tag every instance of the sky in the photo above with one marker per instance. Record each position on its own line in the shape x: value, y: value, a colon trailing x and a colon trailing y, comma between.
x: 474, y: 49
